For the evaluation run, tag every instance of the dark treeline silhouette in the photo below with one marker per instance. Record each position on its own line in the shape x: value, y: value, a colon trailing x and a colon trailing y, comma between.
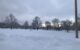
x: 56, y: 24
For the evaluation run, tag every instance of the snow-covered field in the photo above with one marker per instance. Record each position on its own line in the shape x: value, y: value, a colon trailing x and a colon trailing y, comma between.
x: 20, y: 39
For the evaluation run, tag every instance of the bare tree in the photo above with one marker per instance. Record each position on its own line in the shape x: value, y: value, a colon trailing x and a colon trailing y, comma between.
x: 48, y: 25
x: 26, y: 25
x: 55, y: 22
x: 36, y: 24
x: 11, y: 21
x: 66, y: 24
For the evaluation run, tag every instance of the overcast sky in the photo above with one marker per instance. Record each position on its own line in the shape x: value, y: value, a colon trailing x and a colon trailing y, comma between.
x: 46, y: 9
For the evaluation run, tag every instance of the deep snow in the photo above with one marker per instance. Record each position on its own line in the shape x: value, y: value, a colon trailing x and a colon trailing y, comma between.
x: 20, y: 39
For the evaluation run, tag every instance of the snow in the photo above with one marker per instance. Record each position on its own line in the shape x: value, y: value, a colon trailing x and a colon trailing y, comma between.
x: 24, y: 39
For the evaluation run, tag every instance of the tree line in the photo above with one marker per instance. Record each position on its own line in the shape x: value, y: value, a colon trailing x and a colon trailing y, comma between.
x: 56, y: 24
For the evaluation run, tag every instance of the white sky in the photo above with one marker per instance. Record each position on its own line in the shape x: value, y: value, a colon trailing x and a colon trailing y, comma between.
x: 46, y: 9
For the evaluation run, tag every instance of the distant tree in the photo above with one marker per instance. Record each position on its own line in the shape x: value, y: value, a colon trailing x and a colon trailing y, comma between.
x: 14, y: 22
x: 48, y: 25
x: 36, y: 24
x: 26, y: 25
x: 7, y: 20
x: 78, y: 19
x: 66, y: 24
x: 55, y: 22
x: 11, y: 21
x: 2, y: 25
x: 78, y: 24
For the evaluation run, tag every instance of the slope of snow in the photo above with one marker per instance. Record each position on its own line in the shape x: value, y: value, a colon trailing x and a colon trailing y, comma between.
x: 20, y: 39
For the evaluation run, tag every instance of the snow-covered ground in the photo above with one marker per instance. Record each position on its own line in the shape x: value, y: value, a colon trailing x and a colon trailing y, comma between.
x: 20, y: 39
